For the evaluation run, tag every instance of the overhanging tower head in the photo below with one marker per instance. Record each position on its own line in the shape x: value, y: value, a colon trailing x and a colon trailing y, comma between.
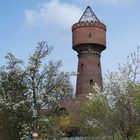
x: 89, y: 30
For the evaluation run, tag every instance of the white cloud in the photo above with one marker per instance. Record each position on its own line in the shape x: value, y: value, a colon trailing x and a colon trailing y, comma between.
x: 61, y: 14
x: 53, y: 13
x: 117, y: 2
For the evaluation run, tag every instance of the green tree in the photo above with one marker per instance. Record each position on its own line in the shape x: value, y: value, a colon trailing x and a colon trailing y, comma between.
x: 15, y: 108
x: 46, y: 83
x: 116, y: 108
x: 26, y: 89
x: 95, y: 115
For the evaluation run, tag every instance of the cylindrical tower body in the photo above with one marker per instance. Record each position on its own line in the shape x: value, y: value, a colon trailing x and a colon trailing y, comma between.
x: 89, y: 40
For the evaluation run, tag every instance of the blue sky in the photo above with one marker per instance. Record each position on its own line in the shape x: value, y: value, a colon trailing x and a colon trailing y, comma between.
x: 24, y: 22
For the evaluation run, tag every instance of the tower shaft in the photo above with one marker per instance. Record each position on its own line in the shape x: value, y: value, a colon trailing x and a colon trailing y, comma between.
x: 89, y: 72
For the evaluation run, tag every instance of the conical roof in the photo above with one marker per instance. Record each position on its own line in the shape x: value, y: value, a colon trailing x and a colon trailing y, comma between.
x: 89, y: 16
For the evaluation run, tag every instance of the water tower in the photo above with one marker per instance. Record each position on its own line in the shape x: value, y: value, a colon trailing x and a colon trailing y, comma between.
x: 89, y: 40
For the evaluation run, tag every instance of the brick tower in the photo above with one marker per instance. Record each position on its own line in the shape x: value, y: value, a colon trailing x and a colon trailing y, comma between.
x: 89, y: 40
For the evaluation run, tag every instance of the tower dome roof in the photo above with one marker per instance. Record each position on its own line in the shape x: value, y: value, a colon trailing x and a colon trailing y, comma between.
x: 89, y: 16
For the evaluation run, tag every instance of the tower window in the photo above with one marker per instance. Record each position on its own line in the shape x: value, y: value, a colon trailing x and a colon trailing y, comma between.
x: 82, y: 64
x: 89, y: 35
x: 91, y: 81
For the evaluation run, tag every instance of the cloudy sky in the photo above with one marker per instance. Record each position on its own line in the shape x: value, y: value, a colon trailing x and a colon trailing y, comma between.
x: 24, y: 22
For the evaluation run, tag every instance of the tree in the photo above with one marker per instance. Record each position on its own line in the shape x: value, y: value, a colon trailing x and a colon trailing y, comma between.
x: 15, y: 109
x: 116, y: 108
x: 95, y: 115
x: 47, y: 84
x: 26, y: 89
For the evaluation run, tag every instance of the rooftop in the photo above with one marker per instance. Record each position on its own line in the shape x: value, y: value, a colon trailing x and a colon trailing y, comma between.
x: 89, y: 16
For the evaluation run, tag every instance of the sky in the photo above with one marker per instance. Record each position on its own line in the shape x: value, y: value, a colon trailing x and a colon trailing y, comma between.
x: 25, y: 22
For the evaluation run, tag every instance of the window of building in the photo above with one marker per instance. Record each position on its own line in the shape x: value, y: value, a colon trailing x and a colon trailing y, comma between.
x: 91, y: 81
x: 89, y: 35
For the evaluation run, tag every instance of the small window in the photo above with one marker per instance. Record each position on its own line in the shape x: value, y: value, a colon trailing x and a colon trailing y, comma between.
x: 89, y: 35
x: 91, y: 81
x: 98, y: 64
x: 82, y: 64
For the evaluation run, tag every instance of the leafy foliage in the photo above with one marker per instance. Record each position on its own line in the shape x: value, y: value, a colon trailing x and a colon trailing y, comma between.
x: 26, y: 89
x: 15, y: 108
x: 116, y: 108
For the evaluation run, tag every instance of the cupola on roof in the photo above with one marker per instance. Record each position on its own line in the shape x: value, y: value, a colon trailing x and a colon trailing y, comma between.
x: 89, y: 16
